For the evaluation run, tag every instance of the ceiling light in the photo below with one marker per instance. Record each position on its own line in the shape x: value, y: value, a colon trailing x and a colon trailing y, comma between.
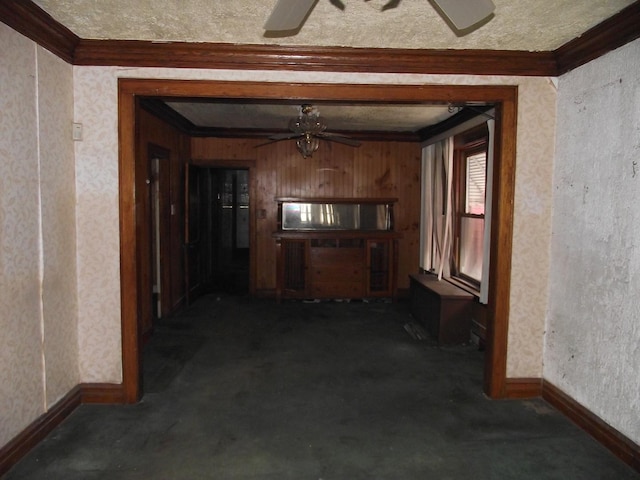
x: 307, y: 144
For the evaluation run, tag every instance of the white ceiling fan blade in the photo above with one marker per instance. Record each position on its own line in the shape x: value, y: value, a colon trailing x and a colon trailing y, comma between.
x: 465, y: 13
x: 288, y: 14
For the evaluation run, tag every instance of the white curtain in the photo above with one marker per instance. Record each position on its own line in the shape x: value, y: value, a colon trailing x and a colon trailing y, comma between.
x: 437, y: 207
x: 486, y: 245
x: 426, y: 211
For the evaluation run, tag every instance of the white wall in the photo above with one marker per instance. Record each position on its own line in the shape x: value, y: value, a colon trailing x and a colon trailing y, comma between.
x: 592, y: 347
x: 38, y: 317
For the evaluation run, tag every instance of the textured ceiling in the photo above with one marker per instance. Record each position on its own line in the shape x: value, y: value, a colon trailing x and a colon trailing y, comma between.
x: 380, y: 117
x: 530, y: 25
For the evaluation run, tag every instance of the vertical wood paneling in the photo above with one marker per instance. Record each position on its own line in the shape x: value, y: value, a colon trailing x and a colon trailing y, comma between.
x: 375, y: 169
x: 407, y: 178
x: 153, y: 130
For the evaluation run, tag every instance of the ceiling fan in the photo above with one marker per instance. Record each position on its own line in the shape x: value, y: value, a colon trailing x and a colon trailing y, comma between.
x: 308, y: 129
x: 290, y: 14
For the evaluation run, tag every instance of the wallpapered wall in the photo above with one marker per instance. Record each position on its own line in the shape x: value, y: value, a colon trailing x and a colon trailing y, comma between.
x: 97, y: 158
x: 592, y: 347
x: 38, y: 343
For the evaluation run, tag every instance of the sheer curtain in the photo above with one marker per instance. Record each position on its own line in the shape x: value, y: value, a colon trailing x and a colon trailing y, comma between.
x: 435, y: 240
x: 486, y: 242
x: 437, y: 207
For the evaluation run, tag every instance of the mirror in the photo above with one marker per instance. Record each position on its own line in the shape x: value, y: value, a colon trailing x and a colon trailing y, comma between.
x: 336, y: 216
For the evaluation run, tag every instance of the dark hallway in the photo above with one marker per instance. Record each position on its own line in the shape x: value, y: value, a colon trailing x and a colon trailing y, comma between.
x: 240, y: 388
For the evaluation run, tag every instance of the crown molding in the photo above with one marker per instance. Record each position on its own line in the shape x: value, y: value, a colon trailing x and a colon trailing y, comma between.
x: 31, y: 21
x: 463, y: 115
x: 132, y: 53
x: 616, y: 31
x: 27, y: 18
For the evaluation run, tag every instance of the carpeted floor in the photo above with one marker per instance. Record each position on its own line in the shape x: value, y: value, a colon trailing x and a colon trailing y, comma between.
x: 240, y: 388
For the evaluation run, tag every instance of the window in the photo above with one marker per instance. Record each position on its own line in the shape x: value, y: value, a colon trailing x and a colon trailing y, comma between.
x: 469, y: 192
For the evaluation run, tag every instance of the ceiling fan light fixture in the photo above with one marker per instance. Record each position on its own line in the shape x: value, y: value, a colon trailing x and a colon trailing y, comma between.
x: 307, y: 144
x: 308, y: 122
x: 308, y: 129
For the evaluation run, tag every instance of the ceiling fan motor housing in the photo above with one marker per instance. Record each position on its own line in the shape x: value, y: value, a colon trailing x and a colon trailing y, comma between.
x: 308, y: 122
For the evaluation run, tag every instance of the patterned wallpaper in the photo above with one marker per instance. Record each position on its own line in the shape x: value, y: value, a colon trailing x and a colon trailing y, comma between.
x: 532, y: 228
x: 99, y: 332
x: 38, y: 343
x: 21, y: 386
x: 57, y: 190
x: 96, y: 101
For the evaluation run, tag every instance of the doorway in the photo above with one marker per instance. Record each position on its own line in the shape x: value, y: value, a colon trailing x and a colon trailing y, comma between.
x: 505, y: 99
x: 217, y: 230
x: 230, y: 230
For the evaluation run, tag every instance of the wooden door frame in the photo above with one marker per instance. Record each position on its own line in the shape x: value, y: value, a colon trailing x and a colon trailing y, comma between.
x: 505, y: 100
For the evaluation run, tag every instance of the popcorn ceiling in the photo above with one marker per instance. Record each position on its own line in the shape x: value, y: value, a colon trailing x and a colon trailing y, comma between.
x: 517, y: 25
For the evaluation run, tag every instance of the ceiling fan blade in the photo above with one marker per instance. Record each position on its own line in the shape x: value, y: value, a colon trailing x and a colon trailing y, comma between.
x: 269, y: 142
x: 464, y: 14
x: 278, y: 137
x: 284, y: 136
x: 288, y: 14
x: 335, y: 137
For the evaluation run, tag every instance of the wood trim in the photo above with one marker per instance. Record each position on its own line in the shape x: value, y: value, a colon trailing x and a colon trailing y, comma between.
x: 131, y: 341
x: 620, y: 445
x: 24, y: 442
x: 616, y: 31
x: 168, y: 115
x: 31, y: 21
x: 287, y: 91
x: 519, y: 388
x: 134, y: 53
x: 464, y: 115
x: 503, y: 189
x: 505, y: 99
x: 102, y: 393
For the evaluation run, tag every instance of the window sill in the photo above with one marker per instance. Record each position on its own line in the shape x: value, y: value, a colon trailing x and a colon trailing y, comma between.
x: 464, y: 285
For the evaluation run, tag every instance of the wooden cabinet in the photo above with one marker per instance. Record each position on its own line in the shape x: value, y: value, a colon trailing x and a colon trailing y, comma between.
x: 336, y: 265
x: 443, y: 308
x: 336, y: 248
x: 336, y: 268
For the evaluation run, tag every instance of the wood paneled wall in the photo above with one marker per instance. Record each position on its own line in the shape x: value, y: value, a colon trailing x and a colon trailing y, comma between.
x: 151, y: 130
x: 375, y: 169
